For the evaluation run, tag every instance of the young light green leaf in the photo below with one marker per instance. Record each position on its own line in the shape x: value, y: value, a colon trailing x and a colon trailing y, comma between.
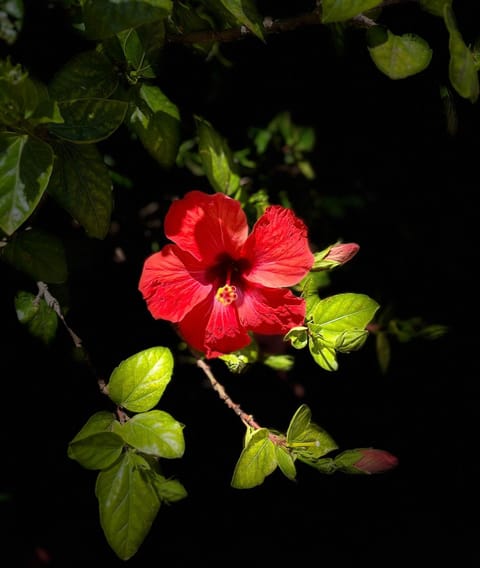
x: 298, y: 337
x: 279, y: 362
x: 156, y: 433
x: 37, y: 254
x: 462, y: 69
x: 104, y: 18
x: 89, y: 120
x: 128, y: 504
x: 217, y: 158
x: 26, y: 164
x: 344, y: 312
x: 350, y: 340
x: 168, y: 490
x: 286, y: 463
x: 323, y: 353
x: 36, y: 314
x: 307, y: 439
x: 341, y: 10
x: 257, y: 460
x: 156, y: 121
x: 399, y: 56
x: 81, y: 184
x: 435, y: 7
x: 96, y: 446
x: 138, y: 383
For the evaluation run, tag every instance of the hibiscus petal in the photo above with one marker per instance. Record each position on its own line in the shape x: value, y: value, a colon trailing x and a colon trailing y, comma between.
x: 270, y: 311
x: 207, y: 226
x: 277, y: 249
x: 172, y: 283
x: 213, y: 328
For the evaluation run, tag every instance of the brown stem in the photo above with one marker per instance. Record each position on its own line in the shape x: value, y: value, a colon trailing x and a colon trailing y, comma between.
x: 247, y: 419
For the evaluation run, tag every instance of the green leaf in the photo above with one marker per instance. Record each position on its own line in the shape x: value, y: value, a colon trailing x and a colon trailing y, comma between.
x: 435, y: 7
x: 245, y: 12
x: 344, y: 312
x: 462, y: 70
x: 217, y: 158
x: 279, y: 362
x: 168, y: 490
x: 89, y: 120
x: 257, y: 460
x: 87, y: 75
x: 323, y: 354
x: 298, y: 337
x: 341, y: 10
x: 138, y: 383
x: 286, y: 463
x: 37, y: 254
x: 141, y: 48
x: 46, y: 112
x: 382, y: 345
x: 26, y: 164
x: 307, y: 439
x: 399, y: 56
x: 81, y: 184
x: 104, y: 18
x: 36, y: 314
x: 156, y: 122
x: 128, y: 504
x: 96, y: 446
x: 155, y: 433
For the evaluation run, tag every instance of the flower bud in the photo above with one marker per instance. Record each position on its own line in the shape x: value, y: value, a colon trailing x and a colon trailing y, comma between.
x: 365, y: 460
x: 335, y: 255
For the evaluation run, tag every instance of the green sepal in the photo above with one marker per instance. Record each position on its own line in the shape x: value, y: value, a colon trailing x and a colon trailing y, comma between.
x: 38, y: 254
x: 128, y: 503
x: 96, y: 446
x: 155, y: 433
x: 257, y: 460
x: 26, y: 165
x: 139, y: 381
x: 40, y: 320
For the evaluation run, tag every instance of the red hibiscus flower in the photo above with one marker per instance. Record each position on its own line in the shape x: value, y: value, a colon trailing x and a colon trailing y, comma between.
x: 217, y: 282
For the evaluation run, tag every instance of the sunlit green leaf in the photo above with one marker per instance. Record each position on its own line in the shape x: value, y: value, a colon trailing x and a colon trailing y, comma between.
x: 155, y: 432
x: 104, y: 18
x: 89, y: 74
x: 138, y: 382
x: 462, y: 70
x: 279, y: 362
x: 128, y: 504
x: 286, y: 462
x: 323, y: 354
x: 341, y: 10
x: 38, y: 254
x: 257, y: 460
x: 81, y: 184
x: 399, y: 56
x: 217, y: 158
x: 25, y: 167
x: 96, y: 446
x: 89, y: 120
x: 156, y: 122
x: 36, y: 314
x: 344, y: 312
x: 306, y: 438
x: 168, y: 490
x: 298, y: 337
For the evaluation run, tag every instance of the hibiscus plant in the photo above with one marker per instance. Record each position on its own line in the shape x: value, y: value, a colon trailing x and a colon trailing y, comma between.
x: 239, y: 268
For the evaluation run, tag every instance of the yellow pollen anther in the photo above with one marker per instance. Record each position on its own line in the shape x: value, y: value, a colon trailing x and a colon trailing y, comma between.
x: 226, y: 294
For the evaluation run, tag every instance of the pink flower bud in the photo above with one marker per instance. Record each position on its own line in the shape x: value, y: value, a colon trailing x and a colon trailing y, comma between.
x: 342, y: 252
x: 375, y: 461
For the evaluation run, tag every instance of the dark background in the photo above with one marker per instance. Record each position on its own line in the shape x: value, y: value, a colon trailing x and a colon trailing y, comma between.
x: 405, y: 190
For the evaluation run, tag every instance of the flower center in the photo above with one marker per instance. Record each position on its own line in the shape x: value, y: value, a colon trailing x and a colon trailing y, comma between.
x: 226, y: 294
